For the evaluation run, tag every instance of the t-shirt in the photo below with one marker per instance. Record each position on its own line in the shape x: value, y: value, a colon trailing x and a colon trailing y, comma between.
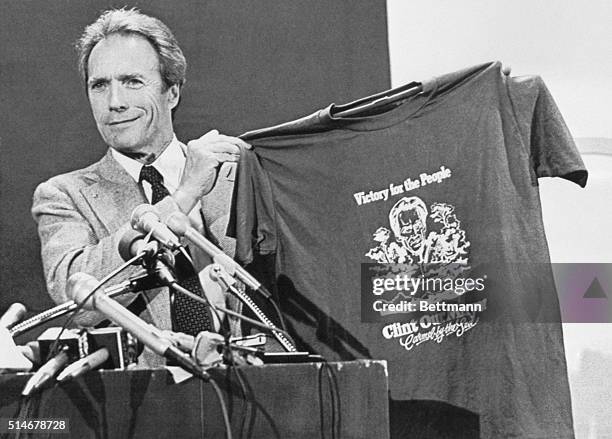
x: 412, y: 232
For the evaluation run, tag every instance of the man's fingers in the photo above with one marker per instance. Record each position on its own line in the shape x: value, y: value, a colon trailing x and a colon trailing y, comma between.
x: 235, y: 141
x: 216, y: 146
x: 214, y: 136
x: 211, y: 133
x: 216, y: 158
x: 225, y: 157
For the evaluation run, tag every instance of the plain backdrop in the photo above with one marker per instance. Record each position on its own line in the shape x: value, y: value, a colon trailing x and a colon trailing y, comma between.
x: 569, y: 44
x: 250, y: 65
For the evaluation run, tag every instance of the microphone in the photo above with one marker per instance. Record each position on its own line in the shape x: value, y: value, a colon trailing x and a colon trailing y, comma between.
x: 180, y: 225
x: 84, y: 365
x: 46, y: 372
x: 13, y: 315
x: 146, y: 219
x: 79, y: 287
x: 139, y: 282
x: 159, y: 269
x: 133, y: 243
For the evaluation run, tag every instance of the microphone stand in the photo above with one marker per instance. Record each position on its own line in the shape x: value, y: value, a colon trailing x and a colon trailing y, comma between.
x: 266, y: 327
x: 157, y: 266
x: 179, y: 224
x: 128, y: 286
x: 223, y: 278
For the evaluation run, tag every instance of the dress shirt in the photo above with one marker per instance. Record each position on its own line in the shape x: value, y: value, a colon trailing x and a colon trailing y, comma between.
x: 171, y: 164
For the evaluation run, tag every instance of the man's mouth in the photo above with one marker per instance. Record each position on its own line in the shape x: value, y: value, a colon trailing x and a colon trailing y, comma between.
x: 415, y: 241
x: 121, y: 121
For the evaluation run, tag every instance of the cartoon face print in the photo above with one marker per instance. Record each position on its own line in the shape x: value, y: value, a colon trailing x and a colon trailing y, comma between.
x: 408, y: 220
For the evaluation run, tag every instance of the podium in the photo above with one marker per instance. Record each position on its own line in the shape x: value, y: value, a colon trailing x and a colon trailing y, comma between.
x: 342, y: 400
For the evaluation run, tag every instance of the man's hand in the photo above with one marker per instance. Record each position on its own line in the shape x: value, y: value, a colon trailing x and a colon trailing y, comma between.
x: 204, y: 158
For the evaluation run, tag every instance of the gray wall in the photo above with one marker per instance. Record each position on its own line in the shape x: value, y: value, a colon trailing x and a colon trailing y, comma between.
x: 251, y: 64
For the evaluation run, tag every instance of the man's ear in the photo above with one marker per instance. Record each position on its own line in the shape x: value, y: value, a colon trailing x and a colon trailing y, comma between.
x: 174, y: 95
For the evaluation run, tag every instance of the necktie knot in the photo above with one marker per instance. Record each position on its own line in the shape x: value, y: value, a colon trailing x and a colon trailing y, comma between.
x: 156, y: 180
x: 151, y: 175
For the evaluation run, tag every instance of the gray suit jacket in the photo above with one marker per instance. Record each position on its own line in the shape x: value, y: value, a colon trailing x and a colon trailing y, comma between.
x: 83, y: 214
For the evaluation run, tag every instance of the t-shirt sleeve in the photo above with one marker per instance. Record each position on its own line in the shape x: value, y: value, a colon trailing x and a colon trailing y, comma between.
x: 552, y: 150
x: 252, y: 216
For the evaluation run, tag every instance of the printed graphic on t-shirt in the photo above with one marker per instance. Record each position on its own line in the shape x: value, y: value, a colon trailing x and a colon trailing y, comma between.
x: 410, y: 242
x: 422, y: 268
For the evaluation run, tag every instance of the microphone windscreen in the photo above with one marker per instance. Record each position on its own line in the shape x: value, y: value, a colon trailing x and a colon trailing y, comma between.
x: 79, y: 286
x: 140, y: 211
x: 127, y: 241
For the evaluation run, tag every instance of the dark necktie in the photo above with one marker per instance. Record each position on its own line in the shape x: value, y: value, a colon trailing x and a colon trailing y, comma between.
x: 155, y: 179
x: 188, y: 315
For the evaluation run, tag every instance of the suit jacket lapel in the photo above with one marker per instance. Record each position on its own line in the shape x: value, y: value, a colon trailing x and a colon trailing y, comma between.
x: 114, y: 195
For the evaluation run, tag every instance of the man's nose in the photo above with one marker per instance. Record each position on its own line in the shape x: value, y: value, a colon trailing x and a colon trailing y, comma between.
x: 117, y: 99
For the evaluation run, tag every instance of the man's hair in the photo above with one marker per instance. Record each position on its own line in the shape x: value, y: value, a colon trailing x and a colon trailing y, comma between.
x: 172, y: 64
x: 406, y: 204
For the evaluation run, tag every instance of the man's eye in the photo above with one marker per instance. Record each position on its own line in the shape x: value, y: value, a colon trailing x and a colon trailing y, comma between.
x: 134, y: 83
x: 97, y: 86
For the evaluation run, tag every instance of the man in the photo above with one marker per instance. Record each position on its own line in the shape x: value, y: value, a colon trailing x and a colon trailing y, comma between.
x: 408, y: 220
x: 133, y: 71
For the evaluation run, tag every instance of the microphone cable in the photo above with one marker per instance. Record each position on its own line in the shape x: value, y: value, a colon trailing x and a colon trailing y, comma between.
x: 182, y: 290
x: 247, y: 397
x: 334, y: 397
x: 205, y: 301
x: 174, y: 285
x: 278, y: 312
x: 105, y: 279
x: 226, y: 421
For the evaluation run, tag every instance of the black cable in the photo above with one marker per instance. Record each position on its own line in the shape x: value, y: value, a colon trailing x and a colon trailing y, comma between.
x: 186, y: 255
x: 335, y: 414
x: 280, y: 334
x: 189, y: 365
x: 332, y: 395
x: 181, y: 289
x: 68, y: 322
x: 335, y: 400
x: 278, y: 313
x: 226, y: 421
x: 185, y: 291
x: 321, y: 411
x: 246, y: 397
x: 227, y: 311
x: 225, y: 334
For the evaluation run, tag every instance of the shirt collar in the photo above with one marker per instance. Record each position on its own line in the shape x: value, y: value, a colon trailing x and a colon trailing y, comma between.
x: 170, y: 164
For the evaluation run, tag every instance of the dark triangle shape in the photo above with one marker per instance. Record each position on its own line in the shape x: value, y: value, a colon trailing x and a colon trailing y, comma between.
x: 595, y: 291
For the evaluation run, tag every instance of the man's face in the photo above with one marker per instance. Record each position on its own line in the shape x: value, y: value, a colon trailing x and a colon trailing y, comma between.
x: 127, y: 97
x: 412, y: 229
